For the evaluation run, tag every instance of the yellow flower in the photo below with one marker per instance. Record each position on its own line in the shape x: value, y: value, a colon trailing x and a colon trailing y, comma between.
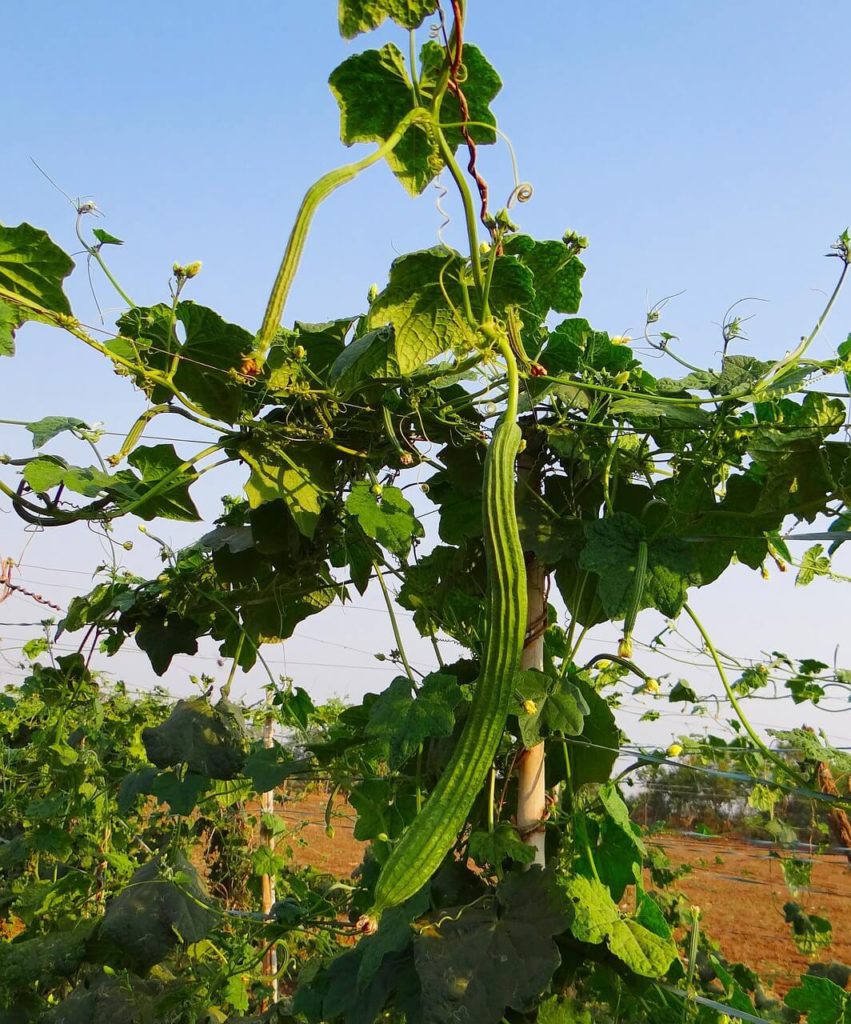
x: 621, y: 379
x: 674, y: 750
x: 620, y: 339
x: 603, y: 664
x: 651, y: 685
x: 625, y: 647
x: 530, y: 707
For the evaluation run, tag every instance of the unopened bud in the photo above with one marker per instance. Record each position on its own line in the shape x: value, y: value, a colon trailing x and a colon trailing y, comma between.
x: 192, y: 269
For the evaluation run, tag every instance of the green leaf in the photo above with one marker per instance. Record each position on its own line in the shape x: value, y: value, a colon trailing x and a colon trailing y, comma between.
x: 267, y: 768
x: 44, y: 474
x: 415, y: 305
x: 368, y: 356
x: 559, y: 707
x: 380, y: 809
x: 162, y: 635
x: 357, y: 16
x: 403, y: 721
x: 597, y: 919
x: 161, y: 465
x: 33, y: 268
x: 556, y: 273
x: 388, y: 518
x: 265, y: 862
x: 814, y: 562
x: 46, y: 429
x: 563, y: 1010
x: 210, y: 359
x: 210, y: 740
x: 480, y: 83
x: 737, y: 372
x: 10, y: 320
x: 102, y: 998
x: 154, y: 915
x: 594, y: 753
x: 374, y: 94
x: 797, y: 874
x: 236, y: 993
x: 105, y: 238
x: 46, y: 960
x: 682, y: 693
x: 181, y: 793
x: 490, y: 849
x: 462, y: 961
x: 820, y: 999
x: 300, y: 474
x: 611, y: 551
x: 810, y: 932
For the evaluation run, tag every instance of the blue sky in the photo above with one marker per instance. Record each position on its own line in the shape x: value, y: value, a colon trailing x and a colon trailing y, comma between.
x: 703, y: 147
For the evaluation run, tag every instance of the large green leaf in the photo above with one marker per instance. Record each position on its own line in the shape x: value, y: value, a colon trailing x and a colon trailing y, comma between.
x: 490, y: 849
x: 611, y: 551
x: 403, y: 720
x: 597, y: 919
x: 556, y: 272
x: 414, y: 302
x: 210, y: 740
x: 480, y: 84
x: 463, y: 960
x: 374, y: 94
x: 107, y: 999
x: 33, y: 268
x: 357, y: 16
x: 210, y: 359
x: 160, y: 467
x: 549, y: 707
x: 300, y: 474
x: 154, y: 914
x: 46, y: 429
x: 592, y: 754
x: 387, y: 517
x: 820, y: 999
x: 162, y: 634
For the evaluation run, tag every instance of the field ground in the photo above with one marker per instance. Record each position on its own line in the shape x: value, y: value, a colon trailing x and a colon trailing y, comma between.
x: 738, y: 886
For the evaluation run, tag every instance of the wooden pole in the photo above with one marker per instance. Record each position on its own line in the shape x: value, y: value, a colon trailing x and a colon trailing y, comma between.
x: 267, y: 836
x: 531, y: 791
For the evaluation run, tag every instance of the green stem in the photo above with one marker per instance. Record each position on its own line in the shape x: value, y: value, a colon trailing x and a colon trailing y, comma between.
x: 789, y: 362
x: 749, y: 729
x: 317, y: 192
x: 234, y: 663
x: 469, y: 210
x: 94, y: 251
x: 388, y: 601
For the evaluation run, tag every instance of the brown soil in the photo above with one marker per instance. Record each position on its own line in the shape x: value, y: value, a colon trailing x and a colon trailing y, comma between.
x: 741, y: 894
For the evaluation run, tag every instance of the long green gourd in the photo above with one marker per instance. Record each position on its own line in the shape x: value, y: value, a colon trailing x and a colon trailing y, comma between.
x: 425, y: 843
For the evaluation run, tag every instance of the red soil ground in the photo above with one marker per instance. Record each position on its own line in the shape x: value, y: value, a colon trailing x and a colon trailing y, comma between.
x: 738, y: 886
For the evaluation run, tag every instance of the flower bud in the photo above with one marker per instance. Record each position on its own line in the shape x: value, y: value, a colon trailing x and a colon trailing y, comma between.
x: 192, y: 269
x: 674, y: 750
x: 530, y: 707
x: 625, y: 647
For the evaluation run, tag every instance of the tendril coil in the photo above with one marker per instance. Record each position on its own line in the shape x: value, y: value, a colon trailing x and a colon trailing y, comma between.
x: 521, y: 193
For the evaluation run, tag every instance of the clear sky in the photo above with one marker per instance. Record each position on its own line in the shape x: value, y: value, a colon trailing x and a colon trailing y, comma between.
x: 703, y: 147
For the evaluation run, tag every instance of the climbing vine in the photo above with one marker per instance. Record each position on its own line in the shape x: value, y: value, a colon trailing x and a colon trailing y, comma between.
x: 635, y: 491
